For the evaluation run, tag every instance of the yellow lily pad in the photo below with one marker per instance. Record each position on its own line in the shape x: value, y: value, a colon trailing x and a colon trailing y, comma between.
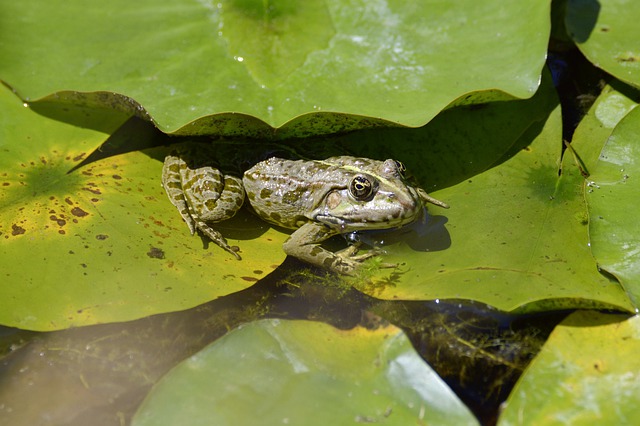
x: 102, y: 243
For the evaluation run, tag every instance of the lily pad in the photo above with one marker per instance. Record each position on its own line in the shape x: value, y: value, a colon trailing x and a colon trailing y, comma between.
x: 100, y: 243
x: 612, y: 193
x: 591, y: 135
x: 586, y: 373
x: 607, y: 33
x: 136, y: 252
x: 300, y: 372
x: 516, y: 236
x: 248, y: 66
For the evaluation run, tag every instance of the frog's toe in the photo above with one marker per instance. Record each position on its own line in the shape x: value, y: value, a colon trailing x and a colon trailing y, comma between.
x: 350, y: 260
x: 345, y: 266
x: 218, y: 239
x: 351, y: 253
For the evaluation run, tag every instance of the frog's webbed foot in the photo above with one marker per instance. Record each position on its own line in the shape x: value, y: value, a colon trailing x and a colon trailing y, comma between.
x: 304, y: 244
x: 202, y: 196
x: 350, y: 253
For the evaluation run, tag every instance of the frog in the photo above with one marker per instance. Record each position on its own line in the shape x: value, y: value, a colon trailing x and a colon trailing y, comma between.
x: 316, y: 199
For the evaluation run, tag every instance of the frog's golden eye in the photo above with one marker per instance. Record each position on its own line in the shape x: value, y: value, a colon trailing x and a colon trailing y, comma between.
x: 361, y: 188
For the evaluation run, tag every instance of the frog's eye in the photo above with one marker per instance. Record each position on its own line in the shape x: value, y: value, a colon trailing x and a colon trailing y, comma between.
x: 393, y: 168
x: 361, y: 188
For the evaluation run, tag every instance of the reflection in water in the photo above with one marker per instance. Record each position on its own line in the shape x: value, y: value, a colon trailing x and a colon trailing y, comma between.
x: 99, y: 374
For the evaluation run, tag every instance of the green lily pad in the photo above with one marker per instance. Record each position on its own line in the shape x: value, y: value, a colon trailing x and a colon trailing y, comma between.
x: 596, y: 126
x: 137, y: 253
x: 586, y: 373
x: 612, y: 193
x: 607, y: 33
x: 516, y: 236
x: 101, y: 243
x: 300, y: 372
x: 248, y: 66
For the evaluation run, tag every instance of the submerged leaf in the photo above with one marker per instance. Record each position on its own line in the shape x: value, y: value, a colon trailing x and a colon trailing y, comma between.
x: 300, y: 372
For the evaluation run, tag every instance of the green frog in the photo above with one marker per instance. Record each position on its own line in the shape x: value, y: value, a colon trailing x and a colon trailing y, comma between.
x: 316, y: 198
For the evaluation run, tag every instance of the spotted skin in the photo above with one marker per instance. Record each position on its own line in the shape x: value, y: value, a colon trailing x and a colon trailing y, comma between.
x: 202, y: 195
x: 318, y: 199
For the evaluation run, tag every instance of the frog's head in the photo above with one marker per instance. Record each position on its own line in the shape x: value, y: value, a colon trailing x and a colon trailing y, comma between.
x: 376, y: 196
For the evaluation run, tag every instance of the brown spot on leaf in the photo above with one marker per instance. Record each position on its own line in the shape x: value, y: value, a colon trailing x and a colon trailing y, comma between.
x: 156, y: 221
x: 77, y: 211
x: 79, y: 156
x: 17, y: 230
x: 155, y: 253
x: 68, y: 201
x: 5, y: 184
x: 59, y: 221
x: 101, y: 237
x: 93, y: 191
x: 117, y: 177
x: 250, y: 279
x: 61, y: 231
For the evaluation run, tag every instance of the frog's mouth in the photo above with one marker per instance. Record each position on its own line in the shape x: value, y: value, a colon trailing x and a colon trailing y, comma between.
x: 386, y: 222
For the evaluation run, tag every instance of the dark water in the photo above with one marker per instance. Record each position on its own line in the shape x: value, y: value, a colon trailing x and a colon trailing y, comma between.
x: 100, y: 374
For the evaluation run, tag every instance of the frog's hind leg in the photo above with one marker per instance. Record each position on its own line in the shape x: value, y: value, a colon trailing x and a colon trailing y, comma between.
x: 172, y: 183
x: 212, y: 197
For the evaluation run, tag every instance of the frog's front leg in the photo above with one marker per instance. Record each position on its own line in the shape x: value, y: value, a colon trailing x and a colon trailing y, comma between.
x: 304, y: 244
x: 202, y: 196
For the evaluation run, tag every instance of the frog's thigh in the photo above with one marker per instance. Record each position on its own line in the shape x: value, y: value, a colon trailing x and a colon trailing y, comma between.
x: 211, y: 196
x: 304, y: 244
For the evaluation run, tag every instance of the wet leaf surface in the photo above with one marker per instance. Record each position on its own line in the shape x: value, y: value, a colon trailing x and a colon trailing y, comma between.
x: 245, y: 67
x: 611, y: 194
x: 516, y: 236
x: 607, y: 34
x: 586, y: 373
